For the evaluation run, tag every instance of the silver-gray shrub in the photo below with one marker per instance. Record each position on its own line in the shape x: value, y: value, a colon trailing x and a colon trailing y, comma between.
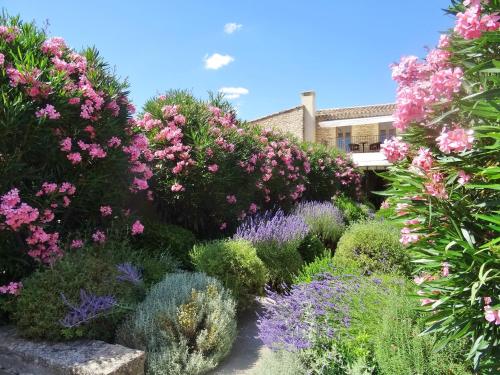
x: 324, y: 220
x: 186, y: 325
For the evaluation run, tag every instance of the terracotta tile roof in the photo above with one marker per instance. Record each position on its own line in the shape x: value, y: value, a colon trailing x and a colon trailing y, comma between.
x: 355, y: 112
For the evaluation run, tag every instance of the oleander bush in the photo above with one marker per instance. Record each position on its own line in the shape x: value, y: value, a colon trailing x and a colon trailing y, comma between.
x: 85, y: 294
x: 186, y: 324
x: 324, y: 221
x: 445, y: 179
x: 332, y: 173
x: 277, y: 238
x: 236, y: 264
x: 374, y: 247
x: 66, y: 161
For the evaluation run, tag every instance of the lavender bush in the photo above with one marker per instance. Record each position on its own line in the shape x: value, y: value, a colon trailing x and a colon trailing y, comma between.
x: 276, y: 237
x: 324, y: 220
x: 308, y: 313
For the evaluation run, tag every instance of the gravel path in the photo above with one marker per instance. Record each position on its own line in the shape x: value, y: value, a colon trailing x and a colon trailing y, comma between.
x: 247, y: 349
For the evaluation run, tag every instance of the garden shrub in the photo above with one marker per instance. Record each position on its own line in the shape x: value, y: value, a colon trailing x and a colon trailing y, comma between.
x: 445, y: 179
x: 236, y: 264
x: 399, y: 349
x: 186, y: 324
x: 201, y: 150
x: 311, y: 247
x: 160, y: 238
x: 99, y: 279
x: 277, y: 238
x: 374, y: 246
x: 326, y: 263
x: 351, y: 210
x: 332, y: 173
x: 66, y: 154
x: 324, y: 220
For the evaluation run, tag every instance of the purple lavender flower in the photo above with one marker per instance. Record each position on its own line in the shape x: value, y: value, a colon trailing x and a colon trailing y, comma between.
x: 90, y: 307
x: 306, y: 313
x: 129, y: 272
x: 273, y: 227
x: 323, y: 218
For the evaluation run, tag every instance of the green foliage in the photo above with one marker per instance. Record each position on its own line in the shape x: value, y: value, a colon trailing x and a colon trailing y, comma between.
x: 279, y: 362
x: 160, y: 238
x: 326, y: 263
x: 311, y: 247
x: 236, y: 264
x: 40, y: 308
x: 351, y: 210
x: 186, y: 323
x: 282, y: 261
x: 374, y: 246
x: 399, y: 349
x: 328, y: 167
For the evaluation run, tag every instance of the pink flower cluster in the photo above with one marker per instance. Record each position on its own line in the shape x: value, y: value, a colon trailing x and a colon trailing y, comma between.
x: 491, y: 315
x: 394, y: 149
x: 471, y: 24
x: 9, y: 33
x: 16, y: 213
x: 13, y: 288
x: 455, y: 140
x: 48, y: 111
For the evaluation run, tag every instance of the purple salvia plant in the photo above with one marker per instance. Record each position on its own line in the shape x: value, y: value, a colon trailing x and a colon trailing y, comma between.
x: 273, y: 227
x: 90, y: 307
x: 129, y: 272
x: 307, y: 312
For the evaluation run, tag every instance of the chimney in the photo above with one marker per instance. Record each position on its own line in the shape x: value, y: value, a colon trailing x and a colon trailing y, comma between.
x: 308, y: 99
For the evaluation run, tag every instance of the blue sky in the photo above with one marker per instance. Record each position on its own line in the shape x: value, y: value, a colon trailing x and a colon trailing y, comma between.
x: 340, y: 49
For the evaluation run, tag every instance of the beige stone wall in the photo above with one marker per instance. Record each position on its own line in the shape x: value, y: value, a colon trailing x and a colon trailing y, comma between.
x: 326, y: 135
x: 290, y: 121
x: 364, y: 130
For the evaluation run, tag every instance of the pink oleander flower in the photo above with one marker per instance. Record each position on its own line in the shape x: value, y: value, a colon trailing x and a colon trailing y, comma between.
x: 114, y: 142
x: 491, y: 315
x: 137, y: 228
x: 74, y: 157
x: 231, y: 199
x: 385, y: 204
x: 423, y: 160
x: 76, y: 244
x: 106, y: 210
x: 456, y: 140
x: 213, y: 168
x: 54, y: 46
x: 67, y: 188
x: 394, y: 149
x: 435, y: 186
x: 463, y: 177
x: 407, y: 237
x: 470, y: 24
x: 9, y: 33
x: 47, y: 216
x: 427, y: 301
x: 13, y: 288
x: 2, y: 59
x: 445, y: 269
x: 446, y: 82
x: 487, y: 300
x: 223, y: 226
x: 99, y: 237
x: 75, y: 100
x: 66, y: 201
x: 96, y: 151
x: 415, y: 221
x: 48, y: 112
x: 150, y: 195
x: 114, y: 108
x: 139, y: 184
x: 177, y: 187
x: 402, y: 209
x: 66, y: 144
x: 419, y: 280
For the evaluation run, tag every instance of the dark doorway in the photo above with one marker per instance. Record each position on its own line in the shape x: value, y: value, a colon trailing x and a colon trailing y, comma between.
x: 372, y: 183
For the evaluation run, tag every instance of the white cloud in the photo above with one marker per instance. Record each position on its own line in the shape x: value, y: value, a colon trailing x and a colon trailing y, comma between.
x: 233, y: 92
x: 231, y: 27
x: 217, y: 61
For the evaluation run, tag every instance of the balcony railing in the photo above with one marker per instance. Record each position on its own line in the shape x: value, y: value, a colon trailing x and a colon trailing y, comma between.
x: 359, y: 144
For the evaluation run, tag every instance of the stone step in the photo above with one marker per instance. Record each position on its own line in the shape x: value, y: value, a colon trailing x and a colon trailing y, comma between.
x: 19, y: 356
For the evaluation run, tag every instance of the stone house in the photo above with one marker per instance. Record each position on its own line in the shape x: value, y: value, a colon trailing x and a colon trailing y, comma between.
x: 357, y: 130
